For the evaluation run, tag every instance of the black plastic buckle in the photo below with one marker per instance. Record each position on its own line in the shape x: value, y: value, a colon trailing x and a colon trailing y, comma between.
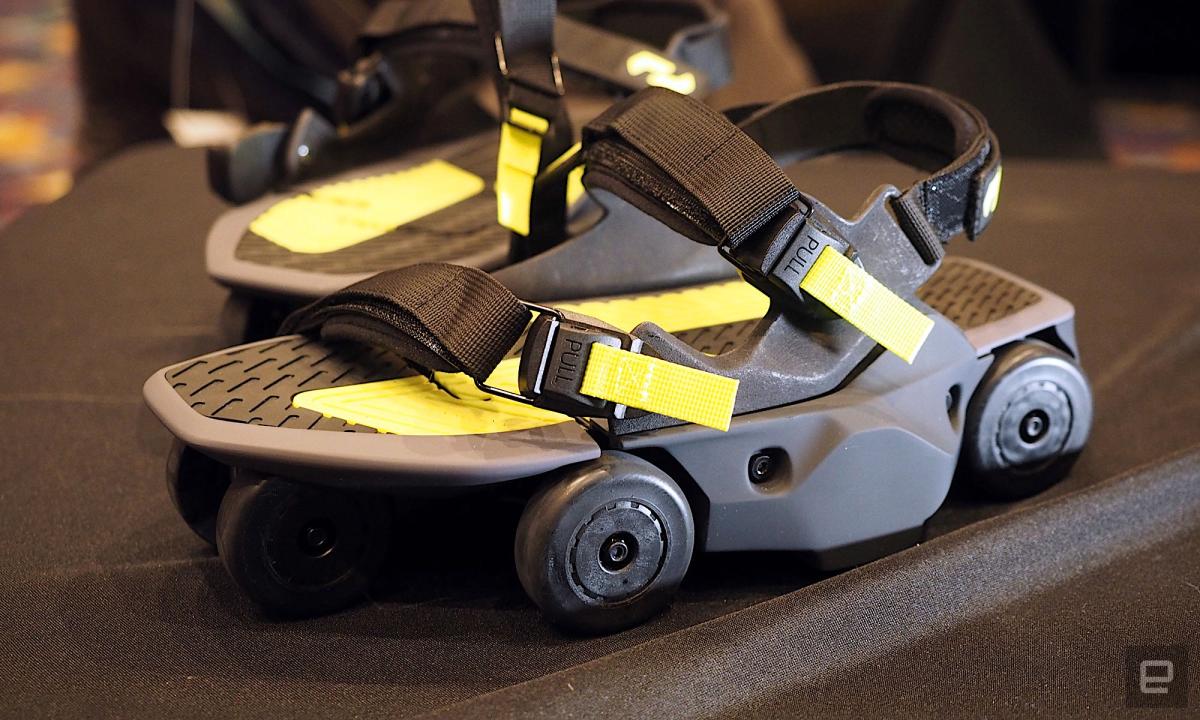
x: 776, y: 259
x: 364, y: 88
x: 556, y: 353
x: 526, y: 94
x: 541, y: 310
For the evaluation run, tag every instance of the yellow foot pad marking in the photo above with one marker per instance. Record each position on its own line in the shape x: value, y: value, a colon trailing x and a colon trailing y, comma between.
x: 415, y: 406
x: 336, y: 216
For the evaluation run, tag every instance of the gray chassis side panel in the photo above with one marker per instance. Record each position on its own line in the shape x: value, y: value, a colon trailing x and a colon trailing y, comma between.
x: 872, y: 459
x: 869, y: 460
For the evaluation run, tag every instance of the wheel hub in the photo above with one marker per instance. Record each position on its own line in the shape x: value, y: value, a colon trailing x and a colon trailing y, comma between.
x: 314, y: 541
x: 318, y: 538
x: 617, y: 552
x: 1035, y: 425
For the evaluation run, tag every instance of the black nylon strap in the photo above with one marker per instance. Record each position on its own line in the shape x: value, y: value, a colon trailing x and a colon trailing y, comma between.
x: 962, y: 148
x: 234, y: 21
x: 520, y: 35
x: 912, y: 220
x: 448, y: 26
x: 717, y: 183
x: 916, y: 125
x: 722, y: 183
x: 442, y: 317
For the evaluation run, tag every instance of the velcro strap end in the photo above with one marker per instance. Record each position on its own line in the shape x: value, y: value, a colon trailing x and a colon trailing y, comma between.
x: 659, y: 386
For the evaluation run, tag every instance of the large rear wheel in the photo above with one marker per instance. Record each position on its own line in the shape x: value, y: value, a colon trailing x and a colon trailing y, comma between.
x: 1027, y: 421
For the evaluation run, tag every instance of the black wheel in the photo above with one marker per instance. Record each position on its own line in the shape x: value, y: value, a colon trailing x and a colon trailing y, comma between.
x: 301, y: 550
x: 196, y: 484
x: 1027, y: 421
x: 245, y: 318
x: 605, y: 546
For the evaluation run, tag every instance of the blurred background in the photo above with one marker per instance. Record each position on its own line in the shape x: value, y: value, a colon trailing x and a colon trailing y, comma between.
x: 1110, y: 80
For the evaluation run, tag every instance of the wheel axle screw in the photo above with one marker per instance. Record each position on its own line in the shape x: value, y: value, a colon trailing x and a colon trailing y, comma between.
x: 316, y: 539
x: 1033, y: 426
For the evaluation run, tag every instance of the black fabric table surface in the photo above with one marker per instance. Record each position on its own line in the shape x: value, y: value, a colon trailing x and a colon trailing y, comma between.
x: 110, y: 607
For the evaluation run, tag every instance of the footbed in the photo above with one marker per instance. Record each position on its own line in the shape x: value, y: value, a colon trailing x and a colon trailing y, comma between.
x: 279, y: 382
x: 463, y: 229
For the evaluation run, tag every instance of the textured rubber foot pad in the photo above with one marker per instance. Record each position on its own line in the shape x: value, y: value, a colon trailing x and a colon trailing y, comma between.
x: 297, y: 382
x: 438, y: 210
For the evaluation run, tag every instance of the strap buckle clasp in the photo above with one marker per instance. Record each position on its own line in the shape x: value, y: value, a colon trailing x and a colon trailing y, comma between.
x: 554, y: 361
x: 541, y: 310
x: 512, y: 78
x: 778, y: 257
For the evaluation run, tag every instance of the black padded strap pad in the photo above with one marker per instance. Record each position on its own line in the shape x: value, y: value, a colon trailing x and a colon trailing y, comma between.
x: 703, y: 176
x: 718, y: 183
x: 916, y: 125
x: 441, y: 317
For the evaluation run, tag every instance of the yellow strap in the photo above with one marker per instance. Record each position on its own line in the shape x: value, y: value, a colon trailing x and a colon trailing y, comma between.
x: 575, y: 186
x: 517, y: 168
x: 528, y: 121
x: 414, y: 406
x: 658, y: 386
x: 882, y: 315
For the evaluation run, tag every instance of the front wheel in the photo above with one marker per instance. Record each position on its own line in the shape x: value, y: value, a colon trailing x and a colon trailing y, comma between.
x: 301, y: 550
x: 606, y: 545
x: 196, y: 484
x: 1027, y: 421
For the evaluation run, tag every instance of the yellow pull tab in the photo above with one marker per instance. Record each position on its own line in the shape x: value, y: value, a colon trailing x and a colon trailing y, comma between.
x: 867, y: 304
x: 658, y: 386
x: 517, y: 168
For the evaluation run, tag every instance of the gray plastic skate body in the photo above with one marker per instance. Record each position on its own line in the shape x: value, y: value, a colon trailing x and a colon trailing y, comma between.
x: 799, y: 350
x: 864, y: 463
x: 859, y: 446
x: 873, y: 459
x: 619, y: 238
